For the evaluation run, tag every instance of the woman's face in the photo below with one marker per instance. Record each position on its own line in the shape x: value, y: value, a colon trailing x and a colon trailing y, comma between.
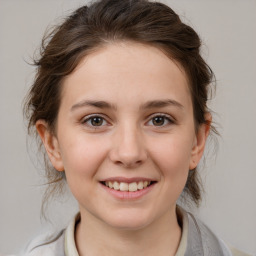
x: 126, y: 119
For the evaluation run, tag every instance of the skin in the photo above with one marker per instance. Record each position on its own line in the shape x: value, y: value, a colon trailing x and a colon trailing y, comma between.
x: 128, y: 142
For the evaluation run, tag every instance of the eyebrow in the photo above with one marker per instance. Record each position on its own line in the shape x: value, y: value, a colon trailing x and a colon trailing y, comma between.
x: 93, y: 103
x: 148, y: 105
x: 161, y: 104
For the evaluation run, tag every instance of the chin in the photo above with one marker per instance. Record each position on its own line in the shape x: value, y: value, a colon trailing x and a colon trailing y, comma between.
x: 128, y: 221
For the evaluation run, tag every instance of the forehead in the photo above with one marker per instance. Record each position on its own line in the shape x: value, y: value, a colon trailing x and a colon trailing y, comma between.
x: 126, y: 69
x: 119, y: 55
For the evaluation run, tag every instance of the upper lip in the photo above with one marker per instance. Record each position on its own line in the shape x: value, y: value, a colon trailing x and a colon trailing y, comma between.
x: 127, y: 180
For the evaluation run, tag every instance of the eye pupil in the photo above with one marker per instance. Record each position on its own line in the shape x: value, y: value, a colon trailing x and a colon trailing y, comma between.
x: 158, y: 120
x: 96, y: 121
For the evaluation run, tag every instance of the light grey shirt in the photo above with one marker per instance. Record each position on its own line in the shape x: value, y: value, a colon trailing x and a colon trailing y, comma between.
x: 196, y: 240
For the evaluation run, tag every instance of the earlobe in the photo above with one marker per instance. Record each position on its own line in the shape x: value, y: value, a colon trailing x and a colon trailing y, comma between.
x: 200, y: 141
x: 51, y: 144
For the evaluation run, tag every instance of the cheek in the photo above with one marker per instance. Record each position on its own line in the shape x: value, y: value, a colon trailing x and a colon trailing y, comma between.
x: 172, y: 158
x: 81, y: 158
x: 172, y: 153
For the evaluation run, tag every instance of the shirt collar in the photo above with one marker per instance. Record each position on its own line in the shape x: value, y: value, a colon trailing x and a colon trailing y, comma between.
x: 70, y: 244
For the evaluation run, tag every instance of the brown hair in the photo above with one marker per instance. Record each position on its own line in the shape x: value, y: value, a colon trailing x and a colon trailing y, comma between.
x: 103, y: 22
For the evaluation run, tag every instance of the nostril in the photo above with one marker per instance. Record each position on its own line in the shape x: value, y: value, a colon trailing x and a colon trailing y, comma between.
x: 130, y: 164
x: 128, y: 152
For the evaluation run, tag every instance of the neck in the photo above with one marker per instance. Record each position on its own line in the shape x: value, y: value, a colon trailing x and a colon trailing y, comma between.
x: 160, y: 238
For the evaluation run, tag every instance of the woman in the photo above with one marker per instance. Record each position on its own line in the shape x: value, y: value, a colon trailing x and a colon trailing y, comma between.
x: 120, y: 104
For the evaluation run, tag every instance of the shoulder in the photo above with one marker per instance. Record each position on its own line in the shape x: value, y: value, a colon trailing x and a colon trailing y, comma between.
x: 50, y: 245
x: 58, y: 244
x: 236, y: 252
x: 210, y: 239
x: 200, y: 240
x: 211, y: 243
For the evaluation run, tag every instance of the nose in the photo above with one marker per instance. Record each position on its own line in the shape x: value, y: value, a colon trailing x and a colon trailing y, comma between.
x: 128, y: 149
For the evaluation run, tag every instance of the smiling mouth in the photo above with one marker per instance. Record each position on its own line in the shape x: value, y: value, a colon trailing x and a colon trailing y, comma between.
x: 124, y: 186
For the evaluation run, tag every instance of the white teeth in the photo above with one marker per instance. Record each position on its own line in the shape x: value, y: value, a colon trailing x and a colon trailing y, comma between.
x: 133, y: 187
x: 123, y: 186
x: 116, y: 185
x: 145, y: 184
x: 110, y: 184
x: 140, y: 185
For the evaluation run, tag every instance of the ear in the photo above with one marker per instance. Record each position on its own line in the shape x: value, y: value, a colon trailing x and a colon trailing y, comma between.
x: 51, y: 144
x: 200, y: 141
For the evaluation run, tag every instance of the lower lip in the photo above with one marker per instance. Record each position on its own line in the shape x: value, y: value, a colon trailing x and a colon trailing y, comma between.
x: 127, y: 195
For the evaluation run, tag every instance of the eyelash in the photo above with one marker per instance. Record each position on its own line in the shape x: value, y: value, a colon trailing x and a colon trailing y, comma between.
x: 84, y: 121
x: 165, y: 116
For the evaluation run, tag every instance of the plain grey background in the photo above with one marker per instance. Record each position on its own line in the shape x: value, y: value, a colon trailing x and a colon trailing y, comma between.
x: 227, y: 28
